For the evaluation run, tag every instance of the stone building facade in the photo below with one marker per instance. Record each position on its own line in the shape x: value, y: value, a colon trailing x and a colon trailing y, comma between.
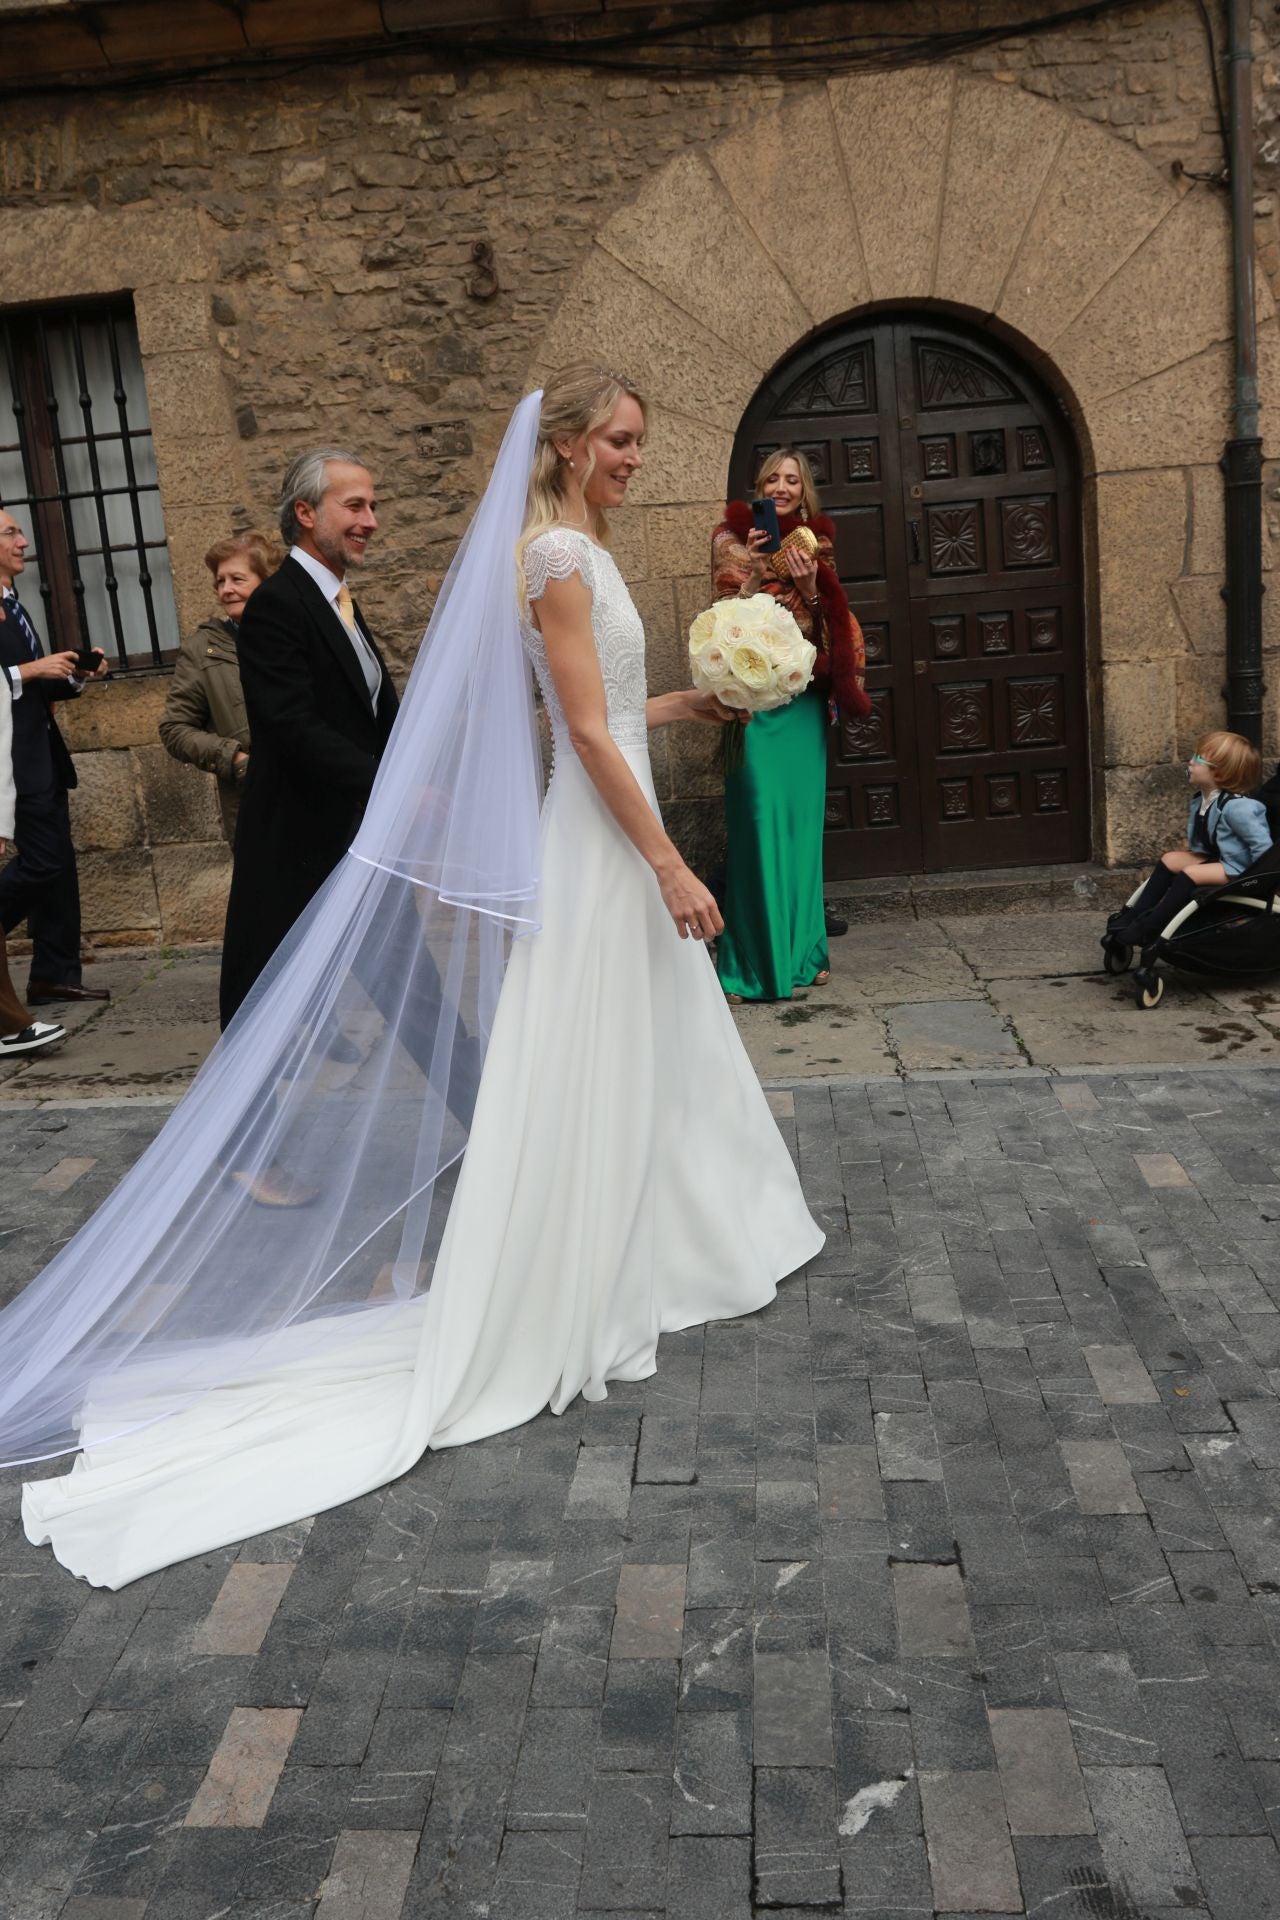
x: 387, y: 247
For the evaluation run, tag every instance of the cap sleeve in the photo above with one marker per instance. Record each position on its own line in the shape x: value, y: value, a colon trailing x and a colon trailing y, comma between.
x: 555, y: 555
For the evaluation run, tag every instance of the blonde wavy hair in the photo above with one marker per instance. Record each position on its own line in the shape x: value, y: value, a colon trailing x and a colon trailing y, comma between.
x: 575, y: 401
x: 810, y: 504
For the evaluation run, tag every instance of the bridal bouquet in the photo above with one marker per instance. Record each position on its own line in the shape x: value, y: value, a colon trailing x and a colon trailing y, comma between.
x: 752, y: 656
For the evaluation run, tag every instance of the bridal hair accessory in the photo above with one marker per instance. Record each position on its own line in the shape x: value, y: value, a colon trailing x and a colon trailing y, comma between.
x: 799, y: 540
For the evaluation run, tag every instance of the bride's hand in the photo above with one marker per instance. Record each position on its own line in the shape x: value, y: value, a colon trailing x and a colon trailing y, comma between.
x: 691, y: 905
x: 712, y: 712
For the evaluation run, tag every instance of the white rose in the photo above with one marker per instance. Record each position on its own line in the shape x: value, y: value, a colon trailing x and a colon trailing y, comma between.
x: 702, y: 632
x: 751, y: 667
x: 714, y: 662
x: 732, y: 695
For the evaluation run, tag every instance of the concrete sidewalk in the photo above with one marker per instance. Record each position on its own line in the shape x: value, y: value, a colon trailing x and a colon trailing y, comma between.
x: 952, y: 993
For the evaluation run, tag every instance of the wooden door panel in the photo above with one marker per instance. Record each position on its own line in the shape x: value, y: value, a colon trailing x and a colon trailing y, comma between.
x: 952, y: 483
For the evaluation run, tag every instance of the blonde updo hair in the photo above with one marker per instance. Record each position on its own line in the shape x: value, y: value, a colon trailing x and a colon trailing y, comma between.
x: 810, y: 504
x: 575, y: 401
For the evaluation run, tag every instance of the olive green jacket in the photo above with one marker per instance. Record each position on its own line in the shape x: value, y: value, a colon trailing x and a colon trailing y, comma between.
x: 204, y: 719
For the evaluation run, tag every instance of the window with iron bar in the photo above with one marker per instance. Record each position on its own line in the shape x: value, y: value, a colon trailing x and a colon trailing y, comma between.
x: 78, y: 470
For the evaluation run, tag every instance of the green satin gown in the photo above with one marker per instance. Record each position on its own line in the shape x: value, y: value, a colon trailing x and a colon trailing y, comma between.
x: 774, y: 937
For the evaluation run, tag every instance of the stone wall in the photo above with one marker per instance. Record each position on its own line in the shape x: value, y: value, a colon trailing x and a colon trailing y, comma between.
x: 301, y: 245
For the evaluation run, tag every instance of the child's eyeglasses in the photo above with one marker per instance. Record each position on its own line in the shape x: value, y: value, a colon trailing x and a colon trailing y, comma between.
x: 1198, y: 760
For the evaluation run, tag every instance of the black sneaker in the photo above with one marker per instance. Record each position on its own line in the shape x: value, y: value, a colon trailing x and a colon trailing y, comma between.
x: 834, y: 924
x: 32, y: 1039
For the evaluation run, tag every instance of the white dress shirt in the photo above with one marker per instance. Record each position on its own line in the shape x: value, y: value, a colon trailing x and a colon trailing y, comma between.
x: 330, y: 586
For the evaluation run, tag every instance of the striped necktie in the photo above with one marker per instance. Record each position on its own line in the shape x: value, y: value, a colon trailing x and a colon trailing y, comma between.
x: 17, y: 613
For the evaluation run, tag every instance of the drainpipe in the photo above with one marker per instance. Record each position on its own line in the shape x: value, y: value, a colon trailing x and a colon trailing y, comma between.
x: 1242, y: 456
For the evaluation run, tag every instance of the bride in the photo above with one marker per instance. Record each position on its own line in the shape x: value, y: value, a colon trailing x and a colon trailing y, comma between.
x: 217, y: 1372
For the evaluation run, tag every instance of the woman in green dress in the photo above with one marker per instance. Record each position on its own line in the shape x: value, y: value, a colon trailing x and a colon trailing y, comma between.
x: 775, y: 937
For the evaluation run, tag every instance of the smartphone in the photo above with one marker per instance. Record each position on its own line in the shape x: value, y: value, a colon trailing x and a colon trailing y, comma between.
x: 765, y: 514
x: 87, y: 659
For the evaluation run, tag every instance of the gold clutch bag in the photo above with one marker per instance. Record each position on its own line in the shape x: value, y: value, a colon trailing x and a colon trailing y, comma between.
x: 802, y: 539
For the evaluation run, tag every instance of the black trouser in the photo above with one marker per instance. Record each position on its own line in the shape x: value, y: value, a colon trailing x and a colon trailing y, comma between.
x: 40, y: 885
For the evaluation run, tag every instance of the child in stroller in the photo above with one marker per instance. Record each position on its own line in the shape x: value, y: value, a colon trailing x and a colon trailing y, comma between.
x: 1228, y: 830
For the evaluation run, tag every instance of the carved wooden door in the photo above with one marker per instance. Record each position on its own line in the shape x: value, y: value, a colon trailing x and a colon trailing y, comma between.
x: 951, y: 478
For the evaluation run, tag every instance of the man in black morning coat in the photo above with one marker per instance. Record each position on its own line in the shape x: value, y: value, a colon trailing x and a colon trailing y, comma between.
x: 320, y: 705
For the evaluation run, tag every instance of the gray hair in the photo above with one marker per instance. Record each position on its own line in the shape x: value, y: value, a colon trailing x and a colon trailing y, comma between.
x: 307, y: 479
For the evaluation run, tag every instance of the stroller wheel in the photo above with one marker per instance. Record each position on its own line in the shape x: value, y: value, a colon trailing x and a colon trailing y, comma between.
x: 1148, y: 989
x: 1116, y: 957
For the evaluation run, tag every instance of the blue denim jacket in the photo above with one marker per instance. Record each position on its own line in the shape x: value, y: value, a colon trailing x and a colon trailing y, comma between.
x: 1238, y: 824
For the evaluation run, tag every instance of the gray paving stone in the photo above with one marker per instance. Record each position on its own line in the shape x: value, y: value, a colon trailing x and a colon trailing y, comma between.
x: 1104, y: 1706
x: 792, y: 1716
x: 907, y: 1447
x: 1240, y: 1877
x: 709, y: 1879
x: 712, y: 1775
x: 555, y: 1770
x: 1100, y: 1476
x: 796, y: 1858
x: 625, y: 1860
x: 1140, y: 1835
x: 933, y: 1616
x: 1039, y: 1773
x: 971, y: 1860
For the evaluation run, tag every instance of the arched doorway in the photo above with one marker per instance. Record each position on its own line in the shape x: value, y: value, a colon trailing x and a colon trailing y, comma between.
x: 952, y: 478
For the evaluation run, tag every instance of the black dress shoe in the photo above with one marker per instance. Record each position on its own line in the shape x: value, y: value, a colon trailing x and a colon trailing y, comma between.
x: 834, y: 924
x: 40, y: 993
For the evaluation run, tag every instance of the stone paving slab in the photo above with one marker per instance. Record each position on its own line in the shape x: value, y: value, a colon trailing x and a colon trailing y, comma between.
x: 949, y: 1584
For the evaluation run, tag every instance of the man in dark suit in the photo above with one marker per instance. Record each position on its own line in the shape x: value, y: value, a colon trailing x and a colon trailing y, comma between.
x: 320, y: 705
x: 40, y: 884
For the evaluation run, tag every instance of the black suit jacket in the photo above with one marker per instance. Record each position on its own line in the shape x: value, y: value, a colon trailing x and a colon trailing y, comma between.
x: 41, y: 761
x: 316, y: 743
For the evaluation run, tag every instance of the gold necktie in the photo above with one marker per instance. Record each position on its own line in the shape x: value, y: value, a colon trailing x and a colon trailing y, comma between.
x: 346, y: 605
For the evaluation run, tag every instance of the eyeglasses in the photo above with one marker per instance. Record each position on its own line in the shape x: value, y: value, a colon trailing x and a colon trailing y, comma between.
x: 1198, y: 760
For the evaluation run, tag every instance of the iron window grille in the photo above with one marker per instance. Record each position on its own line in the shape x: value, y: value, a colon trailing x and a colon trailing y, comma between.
x: 78, y: 470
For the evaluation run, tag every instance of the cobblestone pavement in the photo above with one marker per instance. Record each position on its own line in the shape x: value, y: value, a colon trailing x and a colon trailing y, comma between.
x: 950, y: 1584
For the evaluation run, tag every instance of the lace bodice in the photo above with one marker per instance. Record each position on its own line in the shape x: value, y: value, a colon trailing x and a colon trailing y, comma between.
x: 619, y: 635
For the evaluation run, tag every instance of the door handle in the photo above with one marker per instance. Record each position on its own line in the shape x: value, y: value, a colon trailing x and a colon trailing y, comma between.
x: 914, y: 526
x: 921, y: 666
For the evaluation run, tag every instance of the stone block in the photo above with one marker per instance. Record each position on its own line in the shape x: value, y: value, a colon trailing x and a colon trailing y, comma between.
x: 907, y: 1447
x: 191, y: 885
x: 368, y: 1876
x: 684, y: 458
x: 172, y: 319
x: 685, y: 214
x: 1100, y: 1476
x: 1139, y: 710
x: 679, y: 540
x: 649, y: 1622
x: 202, y: 471
x: 1207, y: 551
x: 893, y: 128
x: 179, y: 801
x: 661, y: 347
x: 553, y: 1778
x: 237, y: 1789
x: 1180, y: 415
x: 1142, y: 523
x: 1140, y: 1834
x: 1039, y: 1773
x: 792, y: 1723
x: 105, y: 807
x: 1099, y: 203
x: 810, y: 228
x: 601, y: 1484
x: 1146, y: 811
x: 187, y: 394
x: 1003, y: 142
x: 1203, y: 613
x: 118, y: 893
x: 125, y: 712
x: 1120, y: 1376
x: 75, y: 252
x: 970, y: 1853
x: 1202, y: 702
x: 849, y: 1484
x: 933, y: 1615
x: 712, y: 1774
x: 247, y: 1600
x: 625, y: 1863
x: 1169, y: 301
x: 627, y: 543
x: 796, y: 1854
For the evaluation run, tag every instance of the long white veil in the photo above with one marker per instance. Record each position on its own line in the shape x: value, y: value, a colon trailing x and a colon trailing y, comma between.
x: 179, y: 1279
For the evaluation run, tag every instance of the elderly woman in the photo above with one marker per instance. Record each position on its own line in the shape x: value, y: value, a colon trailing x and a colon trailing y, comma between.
x: 19, y: 1033
x: 204, y: 717
x: 775, y: 932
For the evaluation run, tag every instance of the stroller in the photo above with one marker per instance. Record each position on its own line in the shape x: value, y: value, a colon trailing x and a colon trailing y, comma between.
x: 1232, y: 930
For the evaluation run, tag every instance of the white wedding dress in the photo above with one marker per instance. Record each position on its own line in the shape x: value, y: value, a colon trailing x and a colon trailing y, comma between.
x: 623, y: 1178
